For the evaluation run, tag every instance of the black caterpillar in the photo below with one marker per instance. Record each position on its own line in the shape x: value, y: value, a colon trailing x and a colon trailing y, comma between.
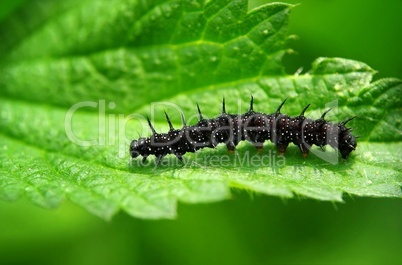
x: 252, y: 126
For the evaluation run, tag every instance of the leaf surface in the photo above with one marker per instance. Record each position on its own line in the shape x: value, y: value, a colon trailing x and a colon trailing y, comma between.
x: 76, y: 84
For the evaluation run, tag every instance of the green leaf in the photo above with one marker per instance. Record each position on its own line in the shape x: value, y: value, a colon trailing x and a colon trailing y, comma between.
x: 78, y: 77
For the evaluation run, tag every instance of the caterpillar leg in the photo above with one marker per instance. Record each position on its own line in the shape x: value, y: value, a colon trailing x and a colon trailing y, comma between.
x: 322, y: 148
x: 281, y: 148
x: 259, y: 146
x: 304, y: 149
x: 144, y: 159
x: 180, y: 157
x: 231, y: 147
x: 159, y: 159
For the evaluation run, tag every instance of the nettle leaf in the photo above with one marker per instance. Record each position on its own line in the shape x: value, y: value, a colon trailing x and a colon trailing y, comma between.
x: 78, y: 77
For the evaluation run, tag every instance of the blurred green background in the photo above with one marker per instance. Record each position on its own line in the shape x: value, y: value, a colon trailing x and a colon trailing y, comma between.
x: 247, y: 229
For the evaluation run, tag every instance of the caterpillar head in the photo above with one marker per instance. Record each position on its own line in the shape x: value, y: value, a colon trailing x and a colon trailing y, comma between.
x: 347, y: 144
x: 137, y: 146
